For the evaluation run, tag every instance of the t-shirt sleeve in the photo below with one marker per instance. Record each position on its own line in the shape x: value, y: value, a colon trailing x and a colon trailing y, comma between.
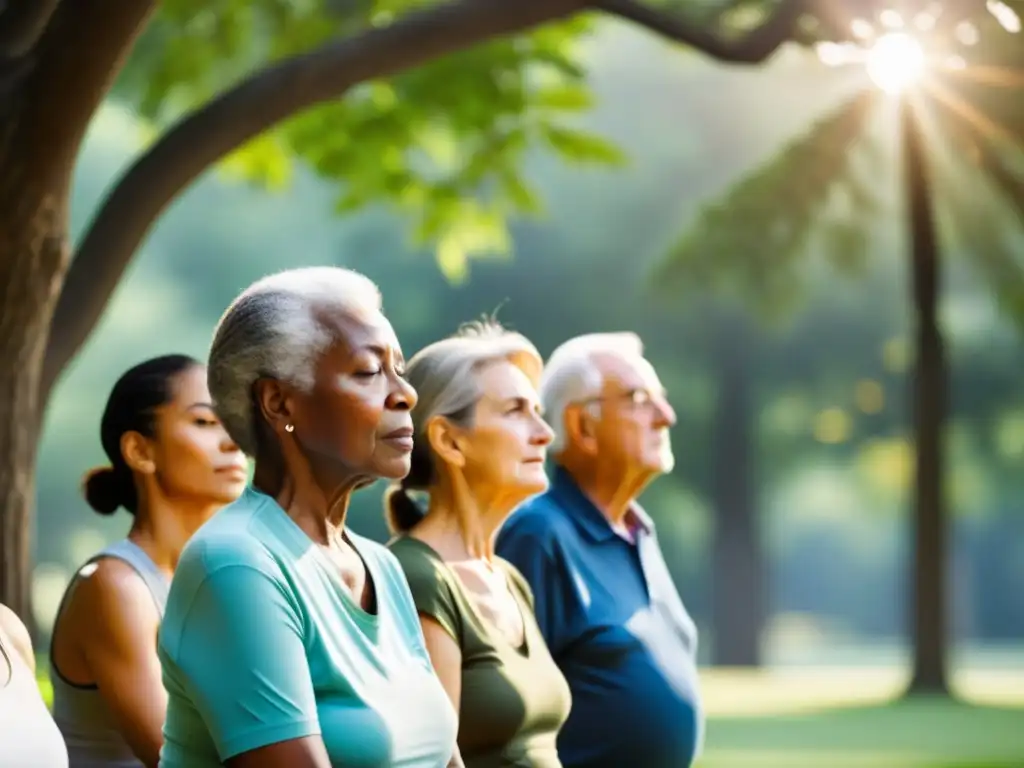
x: 431, y: 591
x: 241, y: 657
x: 542, y: 561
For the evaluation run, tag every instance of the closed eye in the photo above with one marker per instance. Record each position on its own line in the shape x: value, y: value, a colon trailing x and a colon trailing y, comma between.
x: 522, y: 405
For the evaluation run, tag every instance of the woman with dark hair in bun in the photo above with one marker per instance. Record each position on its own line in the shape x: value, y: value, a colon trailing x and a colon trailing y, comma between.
x: 172, y: 466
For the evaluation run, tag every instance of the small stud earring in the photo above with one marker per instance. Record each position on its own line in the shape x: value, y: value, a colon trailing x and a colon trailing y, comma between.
x: 289, y: 427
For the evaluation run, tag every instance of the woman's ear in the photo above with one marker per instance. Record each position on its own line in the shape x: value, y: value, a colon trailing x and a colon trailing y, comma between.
x: 444, y: 441
x: 138, y: 453
x: 274, y: 404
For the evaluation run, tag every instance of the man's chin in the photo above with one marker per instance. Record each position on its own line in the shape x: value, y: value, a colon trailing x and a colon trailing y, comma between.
x: 666, y: 463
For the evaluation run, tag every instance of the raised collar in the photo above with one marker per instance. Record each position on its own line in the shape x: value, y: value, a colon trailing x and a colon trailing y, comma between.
x: 588, y: 518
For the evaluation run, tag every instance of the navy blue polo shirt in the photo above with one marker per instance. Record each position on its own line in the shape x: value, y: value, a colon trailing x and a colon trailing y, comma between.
x: 615, y: 624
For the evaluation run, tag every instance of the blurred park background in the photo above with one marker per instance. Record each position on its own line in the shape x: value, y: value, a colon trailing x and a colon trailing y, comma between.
x: 789, y: 380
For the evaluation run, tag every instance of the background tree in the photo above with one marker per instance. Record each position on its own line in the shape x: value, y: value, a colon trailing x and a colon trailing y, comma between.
x: 762, y: 228
x: 751, y: 287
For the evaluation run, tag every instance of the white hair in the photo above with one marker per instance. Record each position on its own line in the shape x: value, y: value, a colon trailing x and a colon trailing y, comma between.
x: 573, y: 374
x: 274, y: 330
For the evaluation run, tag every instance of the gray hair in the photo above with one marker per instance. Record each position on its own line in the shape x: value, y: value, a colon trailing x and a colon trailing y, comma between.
x: 444, y: 375
x: 273, y: 330
x: 572, y: 374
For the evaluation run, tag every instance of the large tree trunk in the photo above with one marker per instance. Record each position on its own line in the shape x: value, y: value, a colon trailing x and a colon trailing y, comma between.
x: 32, y: 263
x: 929, y: 628
x: 59, y: 61
x: 738, y: 592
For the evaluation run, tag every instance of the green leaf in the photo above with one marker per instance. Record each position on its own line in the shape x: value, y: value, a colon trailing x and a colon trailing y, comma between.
x: 471, y: 231
x: 518, y: 193
x: 264, y: 160
x: 581, y: 147
x: 566, y: 97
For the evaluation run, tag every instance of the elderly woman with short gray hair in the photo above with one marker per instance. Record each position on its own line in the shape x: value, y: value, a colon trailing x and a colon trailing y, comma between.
x: 480, y: 449
x: 289, y: 641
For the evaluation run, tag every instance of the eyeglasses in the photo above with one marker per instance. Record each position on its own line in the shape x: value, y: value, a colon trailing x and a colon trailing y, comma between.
x: 637, y: 398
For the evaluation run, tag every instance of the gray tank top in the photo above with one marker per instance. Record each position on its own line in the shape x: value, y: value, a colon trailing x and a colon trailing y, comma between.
x: 92, y: 738
x: 28, y: 735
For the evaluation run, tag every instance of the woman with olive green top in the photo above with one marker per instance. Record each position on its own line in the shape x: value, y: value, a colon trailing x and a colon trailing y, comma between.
x: 479, y: 445
x: 513, y: 698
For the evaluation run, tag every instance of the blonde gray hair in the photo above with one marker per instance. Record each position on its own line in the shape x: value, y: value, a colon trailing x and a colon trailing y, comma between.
x: 444, y: 375
x: 274, y: 330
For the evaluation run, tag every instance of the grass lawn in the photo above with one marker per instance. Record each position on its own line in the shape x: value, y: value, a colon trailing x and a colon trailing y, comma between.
x: 852, y: 718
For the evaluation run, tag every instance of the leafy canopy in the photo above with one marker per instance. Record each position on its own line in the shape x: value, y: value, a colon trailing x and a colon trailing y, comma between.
x: 443, y: 144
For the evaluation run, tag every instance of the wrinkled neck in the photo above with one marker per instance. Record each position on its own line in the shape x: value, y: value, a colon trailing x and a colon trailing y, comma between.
x: 317, y: 499
x: 612, y: 489
x: 462, y: 521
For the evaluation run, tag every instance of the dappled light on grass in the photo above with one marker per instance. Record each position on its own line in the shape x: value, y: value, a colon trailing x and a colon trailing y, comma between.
x: 850, y: 718
x: 817, y: 759
x: 744, y: 693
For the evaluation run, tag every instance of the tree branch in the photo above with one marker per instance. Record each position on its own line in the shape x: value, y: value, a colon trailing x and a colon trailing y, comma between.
x: 244, y: 112
x: 752, y: 48
x: 22, y: 23
x: 75, y: 63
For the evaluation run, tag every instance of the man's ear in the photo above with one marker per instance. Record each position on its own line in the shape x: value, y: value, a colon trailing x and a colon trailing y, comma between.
x: 579, y: 428
x: 444, y: 441
x: 138, y: 453
x: 275, y: 404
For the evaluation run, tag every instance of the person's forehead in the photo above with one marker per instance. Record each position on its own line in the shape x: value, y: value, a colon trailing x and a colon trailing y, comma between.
x: 628, y: 372
x: 501, y: 380
x: 189, y: 387
x: 358, y: 329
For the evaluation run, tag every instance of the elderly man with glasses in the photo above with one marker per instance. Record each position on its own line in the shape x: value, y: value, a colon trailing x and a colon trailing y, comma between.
x: 605, y: 601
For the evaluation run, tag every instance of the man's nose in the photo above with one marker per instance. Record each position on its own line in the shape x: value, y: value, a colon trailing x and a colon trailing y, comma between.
x: 664, y: 414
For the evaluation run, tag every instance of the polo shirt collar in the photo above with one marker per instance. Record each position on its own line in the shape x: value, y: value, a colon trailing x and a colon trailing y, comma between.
x: 587, y: 517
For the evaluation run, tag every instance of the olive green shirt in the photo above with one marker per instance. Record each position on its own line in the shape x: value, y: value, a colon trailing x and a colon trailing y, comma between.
x: 514, y: 700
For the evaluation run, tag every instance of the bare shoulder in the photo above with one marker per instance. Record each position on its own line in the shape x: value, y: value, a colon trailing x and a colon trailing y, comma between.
x: 14, y: 630
x: 111, y: 593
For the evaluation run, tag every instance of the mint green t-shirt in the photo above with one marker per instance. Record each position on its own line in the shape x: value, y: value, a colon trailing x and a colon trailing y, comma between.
x: 262, y: 643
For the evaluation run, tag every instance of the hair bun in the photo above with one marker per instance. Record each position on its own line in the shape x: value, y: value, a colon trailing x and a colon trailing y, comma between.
x: 105, y: 490
x: 401, y: 510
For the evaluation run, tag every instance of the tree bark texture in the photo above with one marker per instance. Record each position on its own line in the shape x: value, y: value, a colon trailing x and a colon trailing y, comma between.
x: 929, y: 630
x: 738, y: 591
x: 65, y: 56
x: 33, y: 258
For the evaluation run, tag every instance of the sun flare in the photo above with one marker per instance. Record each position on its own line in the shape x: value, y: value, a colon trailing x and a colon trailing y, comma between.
x: 895, y: 62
